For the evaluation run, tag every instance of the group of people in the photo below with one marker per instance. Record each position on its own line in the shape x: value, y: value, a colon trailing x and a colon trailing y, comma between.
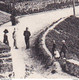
x: 26, y: 34
x: 62, y: 51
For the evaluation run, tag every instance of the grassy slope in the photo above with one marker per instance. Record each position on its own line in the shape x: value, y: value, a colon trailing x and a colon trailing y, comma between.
x: 69, y: 31
x: 4, y: 18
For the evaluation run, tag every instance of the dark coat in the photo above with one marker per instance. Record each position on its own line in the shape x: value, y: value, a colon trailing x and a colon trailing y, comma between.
x: 6, y: 40
x: 13, y: 20
x: 27, y: 34
x: 53, y: 49
x: 64, y: 48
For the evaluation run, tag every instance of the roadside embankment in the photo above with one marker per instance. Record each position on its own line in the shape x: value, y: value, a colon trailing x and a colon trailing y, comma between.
x: 66, y: 30
x: 4, y: 17
x: 39, y: 50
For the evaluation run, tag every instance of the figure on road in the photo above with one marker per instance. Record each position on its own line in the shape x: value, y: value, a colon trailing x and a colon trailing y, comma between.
x: 63, y: 49
x: 13, y: 20
x: 53, y: 48
x: 27, y: 35
x: 5, y: 40
x: 14, y: 38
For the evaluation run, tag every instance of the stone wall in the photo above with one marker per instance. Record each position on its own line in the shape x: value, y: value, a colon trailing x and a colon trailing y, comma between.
x: 39, y: 51
x: 70, y: 66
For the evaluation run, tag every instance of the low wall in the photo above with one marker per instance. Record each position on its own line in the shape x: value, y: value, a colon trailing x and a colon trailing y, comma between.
x: 70, y: 66
x: 39, y: 52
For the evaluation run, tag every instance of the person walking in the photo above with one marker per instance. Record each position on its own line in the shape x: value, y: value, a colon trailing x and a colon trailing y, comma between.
x: 5, y: 40
x: 63, y: 49
x: 13, y: 20
x: 14, y: 38
x: 53, y: 48
x: 27, y: 35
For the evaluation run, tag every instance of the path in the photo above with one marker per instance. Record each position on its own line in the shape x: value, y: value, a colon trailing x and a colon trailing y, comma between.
x: 18, y: 63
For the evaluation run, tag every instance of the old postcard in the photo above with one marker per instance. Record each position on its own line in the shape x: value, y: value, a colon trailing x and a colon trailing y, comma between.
x: 39, y: 39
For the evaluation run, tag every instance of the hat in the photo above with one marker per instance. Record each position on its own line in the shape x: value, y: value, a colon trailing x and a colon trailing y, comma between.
x: 5, y: 31
x: 63, y: 41
x: 54, y: 41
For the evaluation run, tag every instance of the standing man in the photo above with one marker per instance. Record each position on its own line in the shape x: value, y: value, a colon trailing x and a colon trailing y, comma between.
x: 53, y: 48
x: 63, y: 49
x: 14, y: 38
x: 27, y: 35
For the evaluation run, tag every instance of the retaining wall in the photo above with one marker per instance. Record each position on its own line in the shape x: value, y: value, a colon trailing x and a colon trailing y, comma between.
x: 70, y: 67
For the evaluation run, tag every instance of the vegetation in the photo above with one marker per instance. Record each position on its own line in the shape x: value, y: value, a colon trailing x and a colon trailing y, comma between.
x: 34, y: 6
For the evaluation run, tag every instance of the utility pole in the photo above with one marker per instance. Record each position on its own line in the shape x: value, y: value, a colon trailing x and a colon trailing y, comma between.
x: 73, y: 7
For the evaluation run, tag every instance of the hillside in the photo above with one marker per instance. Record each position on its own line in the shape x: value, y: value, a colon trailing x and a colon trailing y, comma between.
x: 4, y: 17
x: 67, y: 30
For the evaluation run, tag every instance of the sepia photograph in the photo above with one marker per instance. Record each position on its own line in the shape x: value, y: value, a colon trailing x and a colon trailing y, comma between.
x: 39, y: 39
